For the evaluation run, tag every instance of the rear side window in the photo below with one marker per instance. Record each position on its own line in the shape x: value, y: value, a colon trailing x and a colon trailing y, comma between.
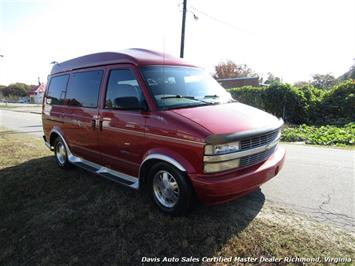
x: 83, y: 88
x: 56, y: 90
x: 122, y: 89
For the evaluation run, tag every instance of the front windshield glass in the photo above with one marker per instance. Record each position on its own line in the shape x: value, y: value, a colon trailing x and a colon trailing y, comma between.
x: 179, y: 87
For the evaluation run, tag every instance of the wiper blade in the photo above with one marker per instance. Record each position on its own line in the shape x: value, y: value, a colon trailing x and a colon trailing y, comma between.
x: 189, y: 98
x: 179, y: 97
x: 211, y: 96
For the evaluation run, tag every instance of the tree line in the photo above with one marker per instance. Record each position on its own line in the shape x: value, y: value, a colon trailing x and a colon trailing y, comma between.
x: 15, y: 90
x: 229, y: 69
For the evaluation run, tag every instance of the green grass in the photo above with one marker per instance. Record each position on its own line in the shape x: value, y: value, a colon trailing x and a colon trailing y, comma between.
x: 53, y: 216
x: 3, y: 106
x: 322, y: 135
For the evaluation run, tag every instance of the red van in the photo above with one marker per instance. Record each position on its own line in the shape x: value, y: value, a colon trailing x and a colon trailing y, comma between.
x: 148, y: 120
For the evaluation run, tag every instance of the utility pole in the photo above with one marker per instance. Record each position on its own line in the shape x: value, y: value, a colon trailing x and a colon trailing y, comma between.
x: 182, y: 44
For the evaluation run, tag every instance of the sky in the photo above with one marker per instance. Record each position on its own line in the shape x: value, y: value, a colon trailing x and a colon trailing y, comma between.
x: 293, y: 39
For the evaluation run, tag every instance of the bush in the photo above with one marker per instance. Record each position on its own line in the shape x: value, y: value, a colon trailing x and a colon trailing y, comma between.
x: 286, y: 101
x: 253, y: 96
x: 302, y: 105
x: 340, y: 102
x: 323, y: 135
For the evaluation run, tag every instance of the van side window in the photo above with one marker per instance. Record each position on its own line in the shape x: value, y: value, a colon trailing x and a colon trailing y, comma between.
x: 123, y: 91
x: 83, y: 88
x: 56, y: 89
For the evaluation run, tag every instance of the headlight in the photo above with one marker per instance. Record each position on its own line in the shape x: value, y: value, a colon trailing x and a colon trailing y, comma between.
x: 222, y: 148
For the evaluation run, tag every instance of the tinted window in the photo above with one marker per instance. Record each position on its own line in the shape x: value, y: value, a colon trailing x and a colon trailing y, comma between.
x: 56, y: 90
x: 179, y: 87
x: 83, y: 88
x: 123, y: 90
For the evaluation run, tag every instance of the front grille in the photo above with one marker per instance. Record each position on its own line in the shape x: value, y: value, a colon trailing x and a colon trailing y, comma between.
x: 256, y: 158
x: 257, y: 141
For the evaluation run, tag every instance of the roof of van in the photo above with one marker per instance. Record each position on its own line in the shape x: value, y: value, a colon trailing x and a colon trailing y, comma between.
x: 136, y: 56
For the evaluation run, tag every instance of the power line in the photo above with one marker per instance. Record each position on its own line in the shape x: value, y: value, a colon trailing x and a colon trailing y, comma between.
x: 219, y: 20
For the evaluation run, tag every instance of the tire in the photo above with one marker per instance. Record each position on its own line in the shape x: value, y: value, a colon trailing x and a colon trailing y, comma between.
x: 61, y: 154
x: 169, y: 189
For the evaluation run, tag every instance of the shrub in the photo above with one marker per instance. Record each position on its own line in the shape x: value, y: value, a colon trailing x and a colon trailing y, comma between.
x: 323, y: 135
x: 307, y: 104
x: 339, y: 103
x: 250, y: 95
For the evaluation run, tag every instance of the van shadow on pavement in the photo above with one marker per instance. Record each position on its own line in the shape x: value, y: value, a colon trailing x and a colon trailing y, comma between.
x: 56, y: 216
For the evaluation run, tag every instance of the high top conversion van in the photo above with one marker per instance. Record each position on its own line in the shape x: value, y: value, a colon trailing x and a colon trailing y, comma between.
x: 151, y: 121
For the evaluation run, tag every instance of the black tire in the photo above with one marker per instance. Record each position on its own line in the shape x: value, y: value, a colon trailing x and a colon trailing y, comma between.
x: 184, y: 198
x: 61, y: 159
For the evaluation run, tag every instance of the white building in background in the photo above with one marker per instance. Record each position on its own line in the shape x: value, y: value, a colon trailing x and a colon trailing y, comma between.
x: 36, y: 93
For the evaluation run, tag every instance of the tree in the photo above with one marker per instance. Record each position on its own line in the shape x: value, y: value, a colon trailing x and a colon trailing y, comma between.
x: 271, y: 78
x: 229, y: 69
x: 301, y: 84
x: 16, y: 90
x: 349, y: 74
x: 323, y: 81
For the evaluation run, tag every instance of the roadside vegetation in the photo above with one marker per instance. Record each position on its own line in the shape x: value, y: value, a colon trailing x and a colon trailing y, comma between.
x: 313, y: 115
x: 53, y: 216
x: 321, y: 135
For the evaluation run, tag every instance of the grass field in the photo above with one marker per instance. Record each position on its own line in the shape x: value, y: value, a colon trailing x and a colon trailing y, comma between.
x: 52, y: 216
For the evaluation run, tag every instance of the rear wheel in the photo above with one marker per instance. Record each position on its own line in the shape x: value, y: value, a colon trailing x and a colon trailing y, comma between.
x: 61, y: 154
x: 170, y: 190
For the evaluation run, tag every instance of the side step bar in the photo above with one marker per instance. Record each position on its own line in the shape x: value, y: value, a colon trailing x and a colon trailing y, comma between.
x: 124, y: 179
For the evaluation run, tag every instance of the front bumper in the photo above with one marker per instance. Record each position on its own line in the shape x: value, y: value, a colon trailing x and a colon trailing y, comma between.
x: 218, y: 188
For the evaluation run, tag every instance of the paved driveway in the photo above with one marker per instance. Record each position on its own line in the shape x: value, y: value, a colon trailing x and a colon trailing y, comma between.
x: 315, y: 180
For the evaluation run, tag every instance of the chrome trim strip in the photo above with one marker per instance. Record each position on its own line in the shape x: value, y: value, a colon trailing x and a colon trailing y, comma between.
x: 239, y: 154
x: 172, y: 139
x: 225, y: 138
x: 163, y: 158
x: 154, y: 136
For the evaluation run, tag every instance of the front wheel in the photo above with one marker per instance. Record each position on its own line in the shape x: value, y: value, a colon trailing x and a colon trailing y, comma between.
x: 170, y: 190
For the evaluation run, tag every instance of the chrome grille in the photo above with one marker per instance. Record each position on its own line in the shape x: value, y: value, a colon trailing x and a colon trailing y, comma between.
x: 258, y: 141
x: 256, y: 158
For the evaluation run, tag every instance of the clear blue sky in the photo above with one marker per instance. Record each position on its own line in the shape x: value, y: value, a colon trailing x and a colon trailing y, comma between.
x: 293, y: 39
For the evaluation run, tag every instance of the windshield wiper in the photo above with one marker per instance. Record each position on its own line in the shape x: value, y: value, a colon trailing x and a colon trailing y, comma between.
x: 185, y: 97
x: 211, y: 96
x: 179, y: 97
x: 217, y: 96
x: 202, y: 102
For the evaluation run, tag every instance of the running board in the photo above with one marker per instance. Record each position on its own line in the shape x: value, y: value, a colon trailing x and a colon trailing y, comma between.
x: 110, y: 174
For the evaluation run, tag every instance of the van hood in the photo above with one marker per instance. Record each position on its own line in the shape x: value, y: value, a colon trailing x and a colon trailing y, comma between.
x: 228, y: 118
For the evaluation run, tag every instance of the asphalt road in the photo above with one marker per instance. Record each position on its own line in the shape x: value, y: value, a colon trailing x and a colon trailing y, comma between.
x: 317, y: 181
x: 21, y: 122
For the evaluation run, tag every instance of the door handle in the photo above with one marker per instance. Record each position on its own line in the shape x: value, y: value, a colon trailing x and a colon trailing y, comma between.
x: 100, y: 124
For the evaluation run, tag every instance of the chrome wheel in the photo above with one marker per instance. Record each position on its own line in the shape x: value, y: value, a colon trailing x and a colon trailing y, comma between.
x: 166, y: 189
x: 61, y: 153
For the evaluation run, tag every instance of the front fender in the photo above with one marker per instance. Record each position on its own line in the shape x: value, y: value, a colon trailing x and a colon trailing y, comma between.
x: 169, y: 156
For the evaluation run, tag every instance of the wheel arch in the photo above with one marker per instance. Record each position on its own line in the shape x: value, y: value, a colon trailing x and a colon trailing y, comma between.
x: 55, y: 133
x: 163, y: 155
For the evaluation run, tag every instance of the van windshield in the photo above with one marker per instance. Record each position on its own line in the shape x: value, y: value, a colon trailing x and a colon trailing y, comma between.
x: 180, y: 87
